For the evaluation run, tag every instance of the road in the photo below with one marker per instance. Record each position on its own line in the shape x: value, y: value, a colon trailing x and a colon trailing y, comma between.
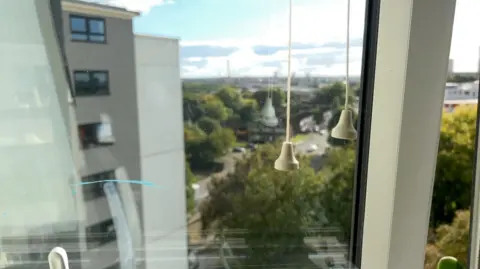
x: 228, y: 167
x: 302, y: 148
x: 313, y: 139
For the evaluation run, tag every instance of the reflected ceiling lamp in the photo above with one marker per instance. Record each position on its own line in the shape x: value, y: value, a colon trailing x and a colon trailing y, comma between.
x: 344, y: 128
x: 268, y: 116
x: 58, y: 258
x: 287, y: 161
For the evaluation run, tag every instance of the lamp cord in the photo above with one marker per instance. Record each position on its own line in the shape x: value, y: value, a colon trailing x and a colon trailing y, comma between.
x: 289, y: 75
x: 347, y: 77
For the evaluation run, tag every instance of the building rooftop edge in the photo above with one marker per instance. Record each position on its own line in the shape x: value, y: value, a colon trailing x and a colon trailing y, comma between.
x: 91, y: 8
x: 157, y: 36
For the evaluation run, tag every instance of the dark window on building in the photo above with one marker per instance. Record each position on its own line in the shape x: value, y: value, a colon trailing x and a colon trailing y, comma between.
x: 87, y: 29
x: 89, y: 83
x: 100, y: 234
x: 95, y: 190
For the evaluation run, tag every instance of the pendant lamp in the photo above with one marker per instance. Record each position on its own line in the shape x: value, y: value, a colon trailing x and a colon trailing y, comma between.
x: 287, y: 161
x: 344, y: 128
x: 268, y: 116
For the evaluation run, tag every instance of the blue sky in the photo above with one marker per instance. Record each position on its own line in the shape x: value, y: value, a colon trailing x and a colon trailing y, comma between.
x: 251, y: 34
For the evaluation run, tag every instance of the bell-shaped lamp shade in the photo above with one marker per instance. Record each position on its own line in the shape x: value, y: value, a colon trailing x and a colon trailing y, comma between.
x: 448, y: 262
x: 287, y: 161
x: 344, y: 129
x: 267, y: 115
x: 58, y: 259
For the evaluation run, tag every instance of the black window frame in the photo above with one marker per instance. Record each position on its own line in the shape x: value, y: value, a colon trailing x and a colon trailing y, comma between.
x: 88, y: 33
x: 90, y: 89
x: 95, y: 190
x: 370, y: 39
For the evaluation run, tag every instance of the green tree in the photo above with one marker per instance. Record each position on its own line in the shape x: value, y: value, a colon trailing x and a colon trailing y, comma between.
x: 337, y: 192
x: 455, y: 161
x: 222, y: 140
x: 248, y: 111
x: 278, y: 97
x: 208, y: 125
x: 451, y: 240
x: 193, y: 132
x: 192, y: 109
x: 214, y: 108
x: 461, y: 78
x: 201, y: 153
x: 190, y: 179
x: 269, y: 210
x: 332, y: 96
x: 231, y: 98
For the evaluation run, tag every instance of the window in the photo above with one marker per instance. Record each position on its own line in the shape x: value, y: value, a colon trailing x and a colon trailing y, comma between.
x: 87, y: 29
x: 95, y: 134
x: 101, y: 234
x: 95, y: 190
x: 88, y: 83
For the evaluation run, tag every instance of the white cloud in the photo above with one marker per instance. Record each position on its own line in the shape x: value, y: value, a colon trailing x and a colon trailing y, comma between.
x: 245, y: 62
x: 320, y: 23
x: 143, y: 6
x: 465, y: 40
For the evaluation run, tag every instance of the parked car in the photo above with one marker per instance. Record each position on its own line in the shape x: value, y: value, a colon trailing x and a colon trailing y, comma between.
x: 312, y: 148
x: 239, y: 149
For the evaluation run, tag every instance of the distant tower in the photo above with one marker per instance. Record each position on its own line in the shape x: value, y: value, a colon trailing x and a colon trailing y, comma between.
x: 229, y: 72
x: 450, y: 67
x: 478, y: 70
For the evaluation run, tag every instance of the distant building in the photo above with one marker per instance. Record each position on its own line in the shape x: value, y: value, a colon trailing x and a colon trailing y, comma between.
x: 259, y: 133
x: 460, y: 94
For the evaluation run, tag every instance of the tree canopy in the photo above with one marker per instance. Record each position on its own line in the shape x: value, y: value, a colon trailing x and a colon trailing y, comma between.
x: 273, y: 211
x: 190, y: 179
x: 455, y: 161
x: 278, y: 97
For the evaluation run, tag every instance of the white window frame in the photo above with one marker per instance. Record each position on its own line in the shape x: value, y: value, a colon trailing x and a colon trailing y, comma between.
x: 411, y: 69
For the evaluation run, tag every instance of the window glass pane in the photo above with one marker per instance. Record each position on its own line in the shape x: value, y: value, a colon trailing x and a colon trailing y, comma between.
x: 78, y: 24
x: 97, y: 38
x: 96, y: 26
x: 35, y: 194
x: 100, y: 78
x: 79, y: 37
x: 82, y: 77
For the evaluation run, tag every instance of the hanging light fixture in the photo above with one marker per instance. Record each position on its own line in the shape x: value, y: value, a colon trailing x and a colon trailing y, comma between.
x: 344, y: 128
x: 268, y: 116
x: 287, y: 161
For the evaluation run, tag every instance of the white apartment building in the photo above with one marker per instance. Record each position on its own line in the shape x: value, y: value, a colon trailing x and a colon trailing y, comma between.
x: 159, y: 97
x: 44, y: 206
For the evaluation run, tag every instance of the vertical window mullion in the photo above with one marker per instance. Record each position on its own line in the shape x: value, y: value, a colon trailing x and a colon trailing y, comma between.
x: 474, y: 233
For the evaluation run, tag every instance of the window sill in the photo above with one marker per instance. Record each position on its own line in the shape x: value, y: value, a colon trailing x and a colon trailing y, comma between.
x: 89, y: 42
x: 92, y: 95
x: 98, y: 146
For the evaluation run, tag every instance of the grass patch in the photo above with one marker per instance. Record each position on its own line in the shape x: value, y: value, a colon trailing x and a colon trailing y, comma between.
x: 240, y: 144
x: 299, y: 138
